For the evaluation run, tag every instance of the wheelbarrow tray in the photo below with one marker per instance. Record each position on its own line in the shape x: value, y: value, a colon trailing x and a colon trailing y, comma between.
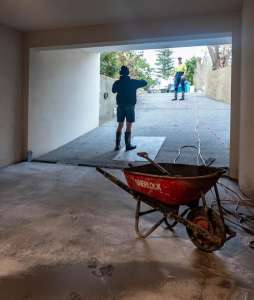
x: 204, y: 226
x: 185, y: 186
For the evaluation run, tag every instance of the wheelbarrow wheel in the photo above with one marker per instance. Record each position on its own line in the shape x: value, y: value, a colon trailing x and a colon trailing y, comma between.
x: 210, y: 221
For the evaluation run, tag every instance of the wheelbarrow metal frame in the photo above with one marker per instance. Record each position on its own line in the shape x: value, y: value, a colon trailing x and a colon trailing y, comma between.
x: 166, y: 210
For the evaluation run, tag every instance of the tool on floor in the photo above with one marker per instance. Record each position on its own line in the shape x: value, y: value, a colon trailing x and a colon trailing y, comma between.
x: 159, y: 167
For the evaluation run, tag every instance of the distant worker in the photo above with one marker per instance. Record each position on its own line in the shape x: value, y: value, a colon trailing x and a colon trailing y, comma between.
x: 126, y: 100
x: 180, y: 71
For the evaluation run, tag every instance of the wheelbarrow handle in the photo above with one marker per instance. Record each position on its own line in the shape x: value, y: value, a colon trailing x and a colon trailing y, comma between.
x: 143, y: 154
x: 115, y: 180
x: 159, y: 167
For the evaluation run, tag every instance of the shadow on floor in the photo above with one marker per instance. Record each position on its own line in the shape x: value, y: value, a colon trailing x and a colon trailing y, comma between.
x: 205, y: 278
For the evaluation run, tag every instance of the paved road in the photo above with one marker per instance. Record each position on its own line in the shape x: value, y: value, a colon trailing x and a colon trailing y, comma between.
x: 198, y: 119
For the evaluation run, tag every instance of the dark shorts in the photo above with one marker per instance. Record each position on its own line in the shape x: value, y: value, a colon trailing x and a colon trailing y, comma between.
x: 126, y: 112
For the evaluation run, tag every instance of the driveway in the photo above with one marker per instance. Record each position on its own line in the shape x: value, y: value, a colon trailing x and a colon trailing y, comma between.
x: 195, y: 121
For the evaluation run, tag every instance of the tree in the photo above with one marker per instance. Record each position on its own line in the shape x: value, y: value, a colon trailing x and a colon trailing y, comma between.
x: 109, y: 64
x: 164, y: 63
x: 220, y: 56
x: 191, y: 65
x: 137, y: 64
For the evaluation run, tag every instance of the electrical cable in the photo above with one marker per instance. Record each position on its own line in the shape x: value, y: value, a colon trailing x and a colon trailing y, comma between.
x: 233, y: 216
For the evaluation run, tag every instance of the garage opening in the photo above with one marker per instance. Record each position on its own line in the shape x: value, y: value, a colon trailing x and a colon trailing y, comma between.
x: 72, y: 110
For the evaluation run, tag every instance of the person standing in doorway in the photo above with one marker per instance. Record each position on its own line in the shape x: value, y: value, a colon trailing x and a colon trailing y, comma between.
x: 180, y: 71
x: 126, y: 99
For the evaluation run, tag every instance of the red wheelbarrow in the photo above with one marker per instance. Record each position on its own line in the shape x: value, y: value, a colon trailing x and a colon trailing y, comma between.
x: 167, y: 187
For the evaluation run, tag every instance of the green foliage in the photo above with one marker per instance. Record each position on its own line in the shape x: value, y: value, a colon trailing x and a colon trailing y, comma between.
x: 165, y: 63
x: 109, y: 64
x: 191, y: 65
x: 137, y: 64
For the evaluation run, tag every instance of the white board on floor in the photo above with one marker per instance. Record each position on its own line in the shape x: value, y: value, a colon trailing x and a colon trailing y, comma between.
x: 149, y: 144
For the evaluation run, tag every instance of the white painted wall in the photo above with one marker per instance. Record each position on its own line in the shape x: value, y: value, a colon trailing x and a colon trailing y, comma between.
x: 246, y: 165
x: 235, y: 102
x: 11, y: 121
x: 63, y: 97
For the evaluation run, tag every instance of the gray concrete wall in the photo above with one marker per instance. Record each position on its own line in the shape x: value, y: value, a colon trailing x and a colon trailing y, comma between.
x: 63, y: 97
x: 218, y: 84
x: 11, y: 120
x: 107, y: 105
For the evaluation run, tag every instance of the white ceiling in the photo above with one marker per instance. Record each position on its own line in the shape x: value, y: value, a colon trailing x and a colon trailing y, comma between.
x: 51, y: 14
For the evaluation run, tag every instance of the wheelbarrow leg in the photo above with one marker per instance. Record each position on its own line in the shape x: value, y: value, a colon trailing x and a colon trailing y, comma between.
x: 171, y: 226
x: 204, y: 201
x: 137, y: 217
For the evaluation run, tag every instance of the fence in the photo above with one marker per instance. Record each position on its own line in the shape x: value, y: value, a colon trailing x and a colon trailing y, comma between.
x: 215, y: 84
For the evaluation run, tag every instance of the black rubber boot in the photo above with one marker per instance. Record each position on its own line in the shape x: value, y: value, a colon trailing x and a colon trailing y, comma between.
x: 118, y: 141
x: 174, y: 99
x: 128, y: 144
x: 182, y: 97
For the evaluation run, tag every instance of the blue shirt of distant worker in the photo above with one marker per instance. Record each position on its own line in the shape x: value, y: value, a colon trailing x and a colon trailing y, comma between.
x: 126, y: 99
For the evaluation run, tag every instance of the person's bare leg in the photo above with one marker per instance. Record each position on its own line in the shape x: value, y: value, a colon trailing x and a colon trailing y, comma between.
x: 128, y: 126
x: 120, y: 127
x: 118, y: 136
x: 128, y: 144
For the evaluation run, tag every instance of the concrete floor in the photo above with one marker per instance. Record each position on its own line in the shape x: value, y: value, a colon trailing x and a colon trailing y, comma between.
x: 157, y: 116
x: 66, y: 233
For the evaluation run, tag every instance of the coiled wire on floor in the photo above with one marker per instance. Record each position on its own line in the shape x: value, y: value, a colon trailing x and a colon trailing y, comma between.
x: 239, y: 211
x: 232, y: 209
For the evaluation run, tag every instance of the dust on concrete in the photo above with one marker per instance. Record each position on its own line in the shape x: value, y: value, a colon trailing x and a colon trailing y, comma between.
x: 61, y: 238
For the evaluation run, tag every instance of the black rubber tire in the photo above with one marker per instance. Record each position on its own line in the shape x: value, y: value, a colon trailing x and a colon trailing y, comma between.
x: 215, y: 227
